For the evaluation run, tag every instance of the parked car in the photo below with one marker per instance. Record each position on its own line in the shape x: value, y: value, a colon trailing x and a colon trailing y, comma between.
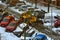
x: 26, y: 15
x: 40, y: 14
x: 6, y: 21
x: 21, y: 3
x: 29, y: 34
x: 24, y: 7
x: 3, y: 15
x: 19, y: 34
x: 30, y: 10
x: 57, y: 23
x: 40, y: 37
x: 13, y: 25
x: 1, y: 10
x: 33, y: 19
x: 56, y: 30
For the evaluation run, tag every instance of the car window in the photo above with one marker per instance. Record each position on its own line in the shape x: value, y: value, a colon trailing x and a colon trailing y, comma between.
x: 5, y: 20
x: 12, y: 24
x: 36, y: 39
x: 0, y: 16
x: 26, y: 39
x: 28, y: 6
x: 24, y: 6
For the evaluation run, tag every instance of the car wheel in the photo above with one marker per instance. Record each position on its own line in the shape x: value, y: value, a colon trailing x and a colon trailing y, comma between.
x: 56, y: 26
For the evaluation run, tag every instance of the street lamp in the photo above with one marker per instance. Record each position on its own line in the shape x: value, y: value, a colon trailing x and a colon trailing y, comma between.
x: 49, y: 2
x: 35, y: 3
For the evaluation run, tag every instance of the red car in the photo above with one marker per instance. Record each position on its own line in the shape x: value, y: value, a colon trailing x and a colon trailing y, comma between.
x: 57, y: 23
x: 13, y: 25
x: 6, y: 21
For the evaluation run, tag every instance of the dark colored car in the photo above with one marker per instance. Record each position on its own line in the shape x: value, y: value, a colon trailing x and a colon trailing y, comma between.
x: 19, y: 34
x: 29, y: 34
x: 21, y: 3
x: 3, y: 15
x: 6, y: 21
x: 1, y: 10
x: 57, y: 23
x: 40, y: 14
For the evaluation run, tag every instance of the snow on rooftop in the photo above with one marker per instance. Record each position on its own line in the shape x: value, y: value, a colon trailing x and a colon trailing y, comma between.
x: 16, y: 10
x: 49, y: 14
x: 2, y: 5
x: 23, y: 25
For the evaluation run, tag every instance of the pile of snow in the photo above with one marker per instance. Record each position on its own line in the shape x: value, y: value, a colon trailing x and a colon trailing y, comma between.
x: 48, y: 24
x: 6, y: 35
x: 56, y: 30
x: 23, y: 25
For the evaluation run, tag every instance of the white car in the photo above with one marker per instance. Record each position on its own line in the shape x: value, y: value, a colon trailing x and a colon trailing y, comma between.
x: 25, y: 7
x: 3, y: 5
x: 49, y: 17
x: 27, y: 38
x: 56, y: 30
x: 16, y: 10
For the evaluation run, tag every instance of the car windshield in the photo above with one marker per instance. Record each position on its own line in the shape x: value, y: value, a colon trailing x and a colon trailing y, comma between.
x: 0, y: 16
x: 5, y: 20
x: 12, y: 24
x: 28, y: 6
x: 38, y: 39
x: 24, y: 6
